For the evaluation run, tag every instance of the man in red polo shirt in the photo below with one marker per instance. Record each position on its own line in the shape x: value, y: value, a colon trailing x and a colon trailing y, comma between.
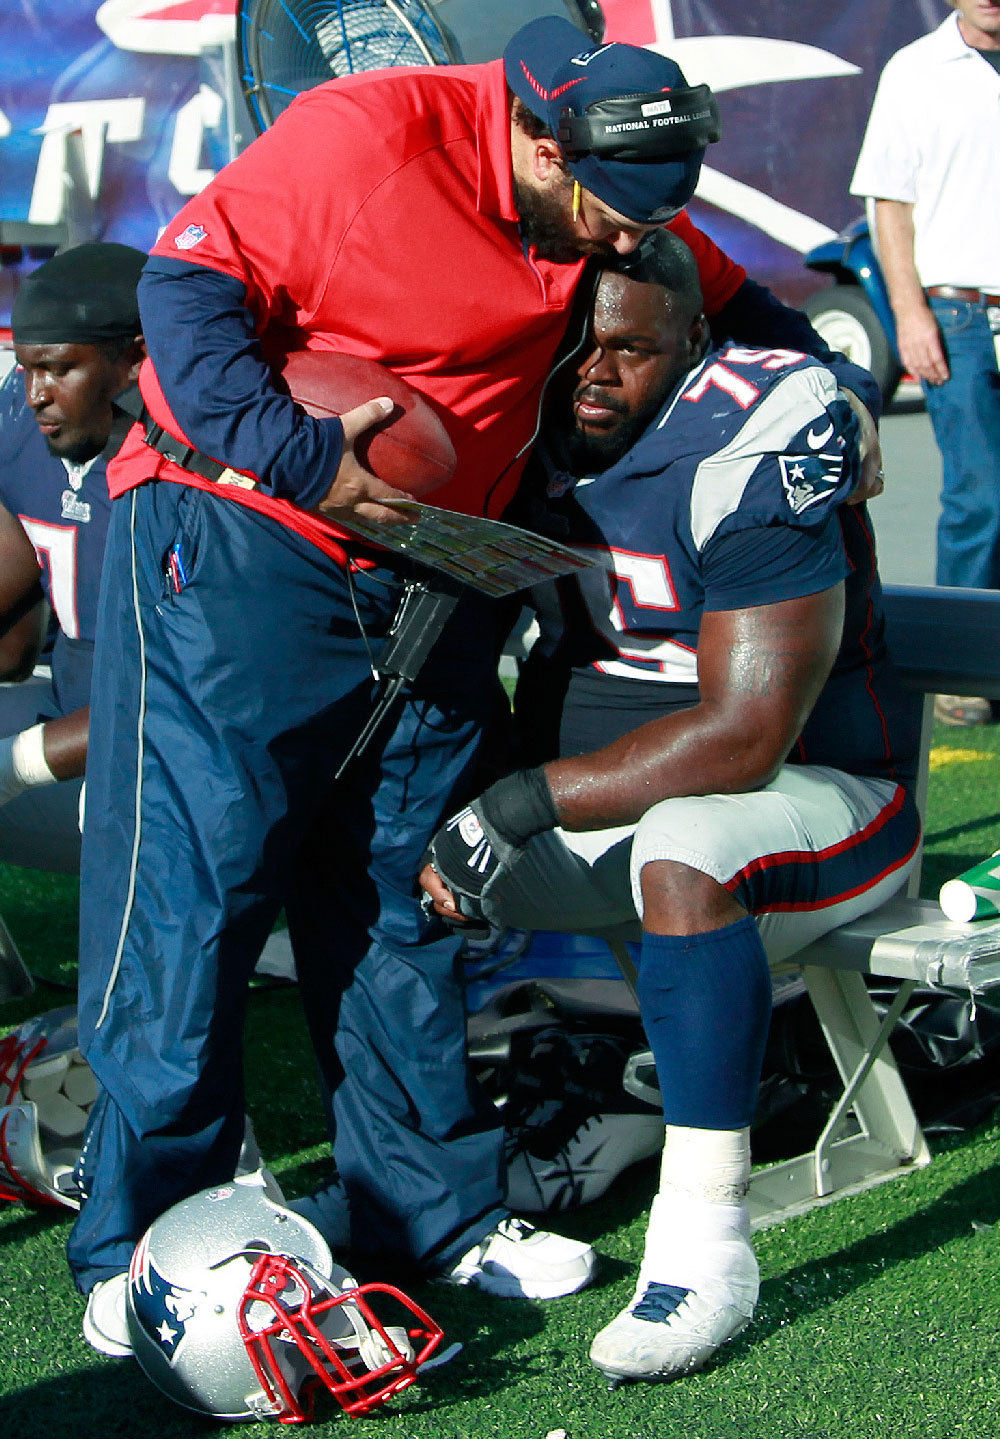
x: 437, y: 220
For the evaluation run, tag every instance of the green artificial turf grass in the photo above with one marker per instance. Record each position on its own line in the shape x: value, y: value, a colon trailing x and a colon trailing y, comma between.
x: 879, y: 1314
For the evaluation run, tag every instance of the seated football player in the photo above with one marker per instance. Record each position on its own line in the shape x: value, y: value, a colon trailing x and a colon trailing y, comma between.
x: 733, y: 761
x: 78, y: 344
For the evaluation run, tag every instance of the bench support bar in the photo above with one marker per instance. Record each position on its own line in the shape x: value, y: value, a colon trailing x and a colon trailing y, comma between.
x: 886, y: 1140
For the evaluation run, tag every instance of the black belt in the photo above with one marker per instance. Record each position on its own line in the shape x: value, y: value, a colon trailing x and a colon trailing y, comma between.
x: 191, y: 459
x: 176, y: 450
x: 956, y: 292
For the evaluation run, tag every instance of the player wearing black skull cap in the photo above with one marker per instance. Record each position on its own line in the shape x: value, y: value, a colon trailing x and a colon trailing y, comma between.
x: 78, y: 343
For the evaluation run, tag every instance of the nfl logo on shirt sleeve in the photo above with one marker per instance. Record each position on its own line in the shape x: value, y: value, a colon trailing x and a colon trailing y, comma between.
x: 193, y: 235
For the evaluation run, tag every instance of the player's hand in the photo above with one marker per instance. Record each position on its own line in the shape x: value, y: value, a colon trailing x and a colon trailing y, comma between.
x: 438, y: 897
x: 871, y: 477
x: 355, y: 490
x: 476, y: 848
x: 920, y: 346
x: 469, y: 856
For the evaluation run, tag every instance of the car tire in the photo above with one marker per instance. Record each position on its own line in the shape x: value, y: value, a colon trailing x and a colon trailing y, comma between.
x: 845, y: 319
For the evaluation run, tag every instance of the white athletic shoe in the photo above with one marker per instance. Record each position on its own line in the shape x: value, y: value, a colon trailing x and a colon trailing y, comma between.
x: 517, y: 1261
x: 104, y: 1324
x: 668, y: 1330
x: 543, y: 1180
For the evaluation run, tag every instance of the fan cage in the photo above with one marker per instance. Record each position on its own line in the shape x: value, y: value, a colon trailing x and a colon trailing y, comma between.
x: 287, y: 46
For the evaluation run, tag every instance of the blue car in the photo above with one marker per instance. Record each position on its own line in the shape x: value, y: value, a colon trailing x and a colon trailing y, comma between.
x: 853, y: 314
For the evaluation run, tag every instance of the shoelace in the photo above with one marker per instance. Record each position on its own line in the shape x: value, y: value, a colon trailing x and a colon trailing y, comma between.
x: 585, y: 1070
x: 512, y: 1229
x: 659, y: 1302
x: 553, y: 1136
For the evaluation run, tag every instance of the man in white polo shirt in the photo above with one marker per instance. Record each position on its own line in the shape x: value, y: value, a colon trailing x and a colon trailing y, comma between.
x: 931, y: 161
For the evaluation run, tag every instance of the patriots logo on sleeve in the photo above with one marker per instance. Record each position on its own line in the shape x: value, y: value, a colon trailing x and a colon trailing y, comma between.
x: 809, y: 479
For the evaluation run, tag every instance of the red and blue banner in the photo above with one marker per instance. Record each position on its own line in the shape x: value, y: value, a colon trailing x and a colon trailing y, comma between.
x: 111, y: 116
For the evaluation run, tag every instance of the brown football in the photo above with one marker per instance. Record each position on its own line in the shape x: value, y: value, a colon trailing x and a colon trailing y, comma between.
x: 410, y: 448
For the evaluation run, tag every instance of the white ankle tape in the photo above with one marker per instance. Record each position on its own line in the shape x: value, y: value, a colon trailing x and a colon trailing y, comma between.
x: 708, y: 1165
x: 28, y: 758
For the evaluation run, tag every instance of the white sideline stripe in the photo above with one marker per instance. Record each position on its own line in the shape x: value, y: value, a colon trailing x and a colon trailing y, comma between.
x: 797, y: 231
x: 134, y: 862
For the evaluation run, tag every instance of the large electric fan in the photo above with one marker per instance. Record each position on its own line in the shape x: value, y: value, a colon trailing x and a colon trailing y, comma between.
x: 290, y: 45
x: 286, y: 46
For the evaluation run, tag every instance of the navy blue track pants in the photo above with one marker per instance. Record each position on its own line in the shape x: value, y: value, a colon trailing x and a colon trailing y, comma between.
x: 228, y: 685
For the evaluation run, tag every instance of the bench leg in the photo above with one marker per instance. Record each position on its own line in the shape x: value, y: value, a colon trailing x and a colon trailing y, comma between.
x: 888, y: 1138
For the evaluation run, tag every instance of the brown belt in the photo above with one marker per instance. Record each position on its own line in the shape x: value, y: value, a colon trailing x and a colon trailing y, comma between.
x: 955, y: 292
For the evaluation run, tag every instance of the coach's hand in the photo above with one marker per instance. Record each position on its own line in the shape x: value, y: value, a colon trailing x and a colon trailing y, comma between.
x: 356, y: 491
x: 474, y: 849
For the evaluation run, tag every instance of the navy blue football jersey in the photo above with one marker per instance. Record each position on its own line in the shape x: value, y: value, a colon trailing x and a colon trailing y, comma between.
x: 64, y: 510
x: 731, y: 499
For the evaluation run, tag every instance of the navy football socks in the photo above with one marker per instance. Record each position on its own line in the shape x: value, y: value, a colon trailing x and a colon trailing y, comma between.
x: 706, y: 1007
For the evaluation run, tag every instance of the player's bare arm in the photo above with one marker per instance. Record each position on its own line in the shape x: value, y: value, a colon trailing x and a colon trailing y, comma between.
x: 23, y: 612
x: 760, y: 671
x: 65, y: 743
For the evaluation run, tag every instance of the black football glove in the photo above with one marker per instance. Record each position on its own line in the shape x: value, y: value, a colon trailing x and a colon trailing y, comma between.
x: 476, y: 846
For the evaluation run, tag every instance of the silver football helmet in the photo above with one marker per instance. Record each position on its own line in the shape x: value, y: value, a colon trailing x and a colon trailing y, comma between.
x: 46, y: 1092
x: 236, y: 1309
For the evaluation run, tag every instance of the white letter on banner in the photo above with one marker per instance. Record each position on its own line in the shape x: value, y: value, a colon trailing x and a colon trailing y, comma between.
x: 99, y: 122
x: 202, y: 112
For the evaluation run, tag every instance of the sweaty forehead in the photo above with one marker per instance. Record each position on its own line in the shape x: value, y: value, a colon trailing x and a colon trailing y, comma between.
x: 36, y: 357
x: 624, y: 306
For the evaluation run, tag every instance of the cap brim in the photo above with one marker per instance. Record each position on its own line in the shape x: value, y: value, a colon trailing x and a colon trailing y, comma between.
x: 645, y: 191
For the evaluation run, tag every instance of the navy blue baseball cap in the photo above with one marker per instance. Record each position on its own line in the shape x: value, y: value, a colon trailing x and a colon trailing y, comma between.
x: 630, y: 128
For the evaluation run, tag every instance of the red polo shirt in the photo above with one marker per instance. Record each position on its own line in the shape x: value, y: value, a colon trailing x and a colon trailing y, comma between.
x: 377, y: 217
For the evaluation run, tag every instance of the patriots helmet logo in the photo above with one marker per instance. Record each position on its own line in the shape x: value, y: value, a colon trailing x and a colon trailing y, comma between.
x: 809, y: 479
x: 161, y: 1308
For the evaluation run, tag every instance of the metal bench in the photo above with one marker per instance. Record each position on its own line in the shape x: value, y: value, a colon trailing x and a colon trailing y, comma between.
x: 15, y: 979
